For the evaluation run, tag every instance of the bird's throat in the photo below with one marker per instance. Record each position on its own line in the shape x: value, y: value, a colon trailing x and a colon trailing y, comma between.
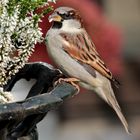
x: 57, y: 25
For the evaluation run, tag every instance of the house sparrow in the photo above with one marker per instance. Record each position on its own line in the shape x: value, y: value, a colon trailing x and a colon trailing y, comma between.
x: 74, y: 53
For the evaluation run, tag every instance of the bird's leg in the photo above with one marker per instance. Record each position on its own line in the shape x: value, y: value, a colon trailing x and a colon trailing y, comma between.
x: 72, y: 81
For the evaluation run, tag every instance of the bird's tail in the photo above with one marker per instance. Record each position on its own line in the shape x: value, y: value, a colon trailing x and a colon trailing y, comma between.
x: 107, y: 94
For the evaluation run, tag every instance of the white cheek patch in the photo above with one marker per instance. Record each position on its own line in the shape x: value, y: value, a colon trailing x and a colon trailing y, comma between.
x: 71, y: 26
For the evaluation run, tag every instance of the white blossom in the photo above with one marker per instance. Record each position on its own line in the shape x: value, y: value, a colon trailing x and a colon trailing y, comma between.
x: 18, y: 37
x: 5, y: 96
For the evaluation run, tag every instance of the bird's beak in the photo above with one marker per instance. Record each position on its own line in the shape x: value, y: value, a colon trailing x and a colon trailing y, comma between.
x: 55, y: 17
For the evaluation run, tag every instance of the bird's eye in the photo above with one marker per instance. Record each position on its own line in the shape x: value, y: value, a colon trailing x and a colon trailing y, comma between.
x: 67, y: 15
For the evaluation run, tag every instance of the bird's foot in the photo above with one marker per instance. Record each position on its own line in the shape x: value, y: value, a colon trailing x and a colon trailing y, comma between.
x: 72, y: 81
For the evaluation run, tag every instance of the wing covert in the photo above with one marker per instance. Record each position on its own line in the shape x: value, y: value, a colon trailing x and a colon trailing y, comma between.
x: 81, y: 48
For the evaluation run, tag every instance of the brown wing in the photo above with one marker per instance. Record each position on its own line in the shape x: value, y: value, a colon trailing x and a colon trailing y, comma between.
x: 81, y: 47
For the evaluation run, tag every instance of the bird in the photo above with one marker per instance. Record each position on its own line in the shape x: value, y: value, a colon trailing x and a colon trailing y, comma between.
x: 74, y: 53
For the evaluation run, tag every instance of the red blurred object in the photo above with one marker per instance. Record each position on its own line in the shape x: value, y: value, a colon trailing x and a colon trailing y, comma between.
x: 104, y: 34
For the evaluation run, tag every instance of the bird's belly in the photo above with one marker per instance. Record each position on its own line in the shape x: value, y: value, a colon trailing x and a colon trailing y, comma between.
x: 69, y: 66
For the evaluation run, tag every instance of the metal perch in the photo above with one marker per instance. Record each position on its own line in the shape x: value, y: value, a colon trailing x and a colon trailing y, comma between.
x: 19, y: 119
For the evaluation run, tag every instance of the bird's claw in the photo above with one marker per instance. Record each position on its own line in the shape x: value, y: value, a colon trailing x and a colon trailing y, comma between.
x: 69, y: 80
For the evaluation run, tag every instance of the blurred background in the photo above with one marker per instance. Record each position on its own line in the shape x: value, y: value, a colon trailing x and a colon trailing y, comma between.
x: 114, y: 27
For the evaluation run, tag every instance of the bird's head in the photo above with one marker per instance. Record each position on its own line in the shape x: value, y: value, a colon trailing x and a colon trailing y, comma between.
x: 66, y: 18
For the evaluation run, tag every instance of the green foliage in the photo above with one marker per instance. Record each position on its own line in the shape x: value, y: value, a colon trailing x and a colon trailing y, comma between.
x: 28, y: 6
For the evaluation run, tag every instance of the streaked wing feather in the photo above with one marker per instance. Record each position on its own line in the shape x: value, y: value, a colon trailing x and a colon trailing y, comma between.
x: 81, y: 48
